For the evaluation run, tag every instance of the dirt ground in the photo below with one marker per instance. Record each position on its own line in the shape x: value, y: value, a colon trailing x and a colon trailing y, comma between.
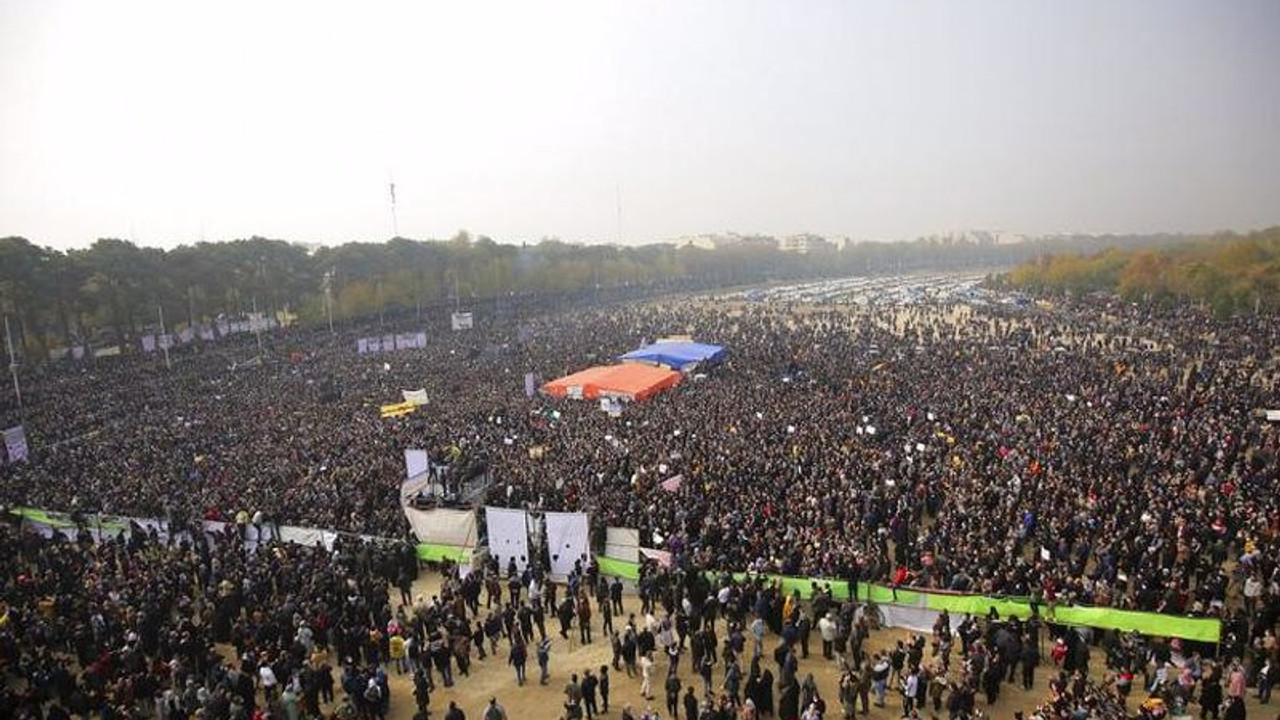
x: 493, y: 678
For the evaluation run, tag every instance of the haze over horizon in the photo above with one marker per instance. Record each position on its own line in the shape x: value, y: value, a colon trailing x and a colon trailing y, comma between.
x: 170, y: 123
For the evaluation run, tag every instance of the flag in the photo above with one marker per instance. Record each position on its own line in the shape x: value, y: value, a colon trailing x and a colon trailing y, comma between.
x: 414, y: 397
x: 662, y: 557
x: 672, y: 483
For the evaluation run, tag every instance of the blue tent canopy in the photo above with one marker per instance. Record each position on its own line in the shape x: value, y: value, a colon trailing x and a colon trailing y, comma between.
x: 677, y: 355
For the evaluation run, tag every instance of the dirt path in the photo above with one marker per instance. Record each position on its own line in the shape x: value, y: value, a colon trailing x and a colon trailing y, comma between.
x: 494, y: 678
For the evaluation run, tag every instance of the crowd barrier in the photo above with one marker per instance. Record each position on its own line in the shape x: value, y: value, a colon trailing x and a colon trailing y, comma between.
x: 913, y: 608
x: 917, y: 609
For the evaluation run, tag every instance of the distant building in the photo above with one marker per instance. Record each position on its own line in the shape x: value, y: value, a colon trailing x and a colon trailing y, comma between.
x: 710, y: 241
x: 803, y: 244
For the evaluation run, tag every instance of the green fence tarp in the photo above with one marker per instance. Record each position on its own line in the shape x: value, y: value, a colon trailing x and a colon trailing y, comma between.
x: 1201, y: 629
x: 436, y: 553
x: 1188, y: 628
x: 62, y: 522
x: 618, y: 568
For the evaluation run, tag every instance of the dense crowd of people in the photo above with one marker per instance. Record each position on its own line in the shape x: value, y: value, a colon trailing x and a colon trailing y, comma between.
x: 1092, y: 452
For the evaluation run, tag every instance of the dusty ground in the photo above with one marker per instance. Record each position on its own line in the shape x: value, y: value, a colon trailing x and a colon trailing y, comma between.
x: 494, y: 678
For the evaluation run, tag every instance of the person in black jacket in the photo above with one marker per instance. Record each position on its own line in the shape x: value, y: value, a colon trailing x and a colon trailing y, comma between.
x: 590, y: 684
x: 1030, y: 659
x: 690, y: 705
x: 789, y: 700
x: 518, y: 657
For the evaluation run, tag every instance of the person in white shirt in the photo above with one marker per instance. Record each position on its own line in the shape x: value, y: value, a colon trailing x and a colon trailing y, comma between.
x: 910, y: 687
x: 827, y: 628
x: 646, y: 676
x: 1252, y: 591
x: 269, y: 682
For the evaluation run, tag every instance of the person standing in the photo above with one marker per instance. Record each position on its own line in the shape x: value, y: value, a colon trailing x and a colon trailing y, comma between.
x: 604, y: 687
x: 544, y: 661
x: 584, y: 619
x: 1030, y: 659
x: 1266, y: 677
x: 673, y: 695
x: 573, y: 696
x: 589, y: 686
x: 518, y: 658
x: 1210, y: 693
x: 646, y: 676
x: 827, y: 628
x: 880, y: 678
x: 615, y: 596
x: 690, y: 705
x: 910, y: 691
x: 421, y: 691
x: 494, y: 711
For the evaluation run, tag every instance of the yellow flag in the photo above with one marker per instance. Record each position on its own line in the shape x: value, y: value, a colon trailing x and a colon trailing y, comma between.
x: 398, y: 409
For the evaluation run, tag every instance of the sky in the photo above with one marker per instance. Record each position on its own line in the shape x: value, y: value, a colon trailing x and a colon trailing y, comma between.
x: 174, y: 122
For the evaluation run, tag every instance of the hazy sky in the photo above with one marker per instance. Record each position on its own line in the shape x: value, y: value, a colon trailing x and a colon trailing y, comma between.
x: 169, y: 122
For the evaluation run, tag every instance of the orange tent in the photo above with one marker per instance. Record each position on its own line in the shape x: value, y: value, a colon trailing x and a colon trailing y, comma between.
x: 630, y: 380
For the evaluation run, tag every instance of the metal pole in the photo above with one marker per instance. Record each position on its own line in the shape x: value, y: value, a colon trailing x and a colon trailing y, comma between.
x: 13, y: 362
x: 165, y: 345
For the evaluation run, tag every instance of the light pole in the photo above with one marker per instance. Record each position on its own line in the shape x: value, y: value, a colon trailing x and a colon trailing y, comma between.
x: 13, y: 362
x: 328, y: 298
x: 256, y: 323
x: 164, y: 344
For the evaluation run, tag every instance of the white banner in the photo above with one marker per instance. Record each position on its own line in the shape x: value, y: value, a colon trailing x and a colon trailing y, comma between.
x: 917, y: 619
x: 622, y: 544
x: 417, y: 472
x: 416, y: 462
x: 148, y: 343
x: 456, y: 528
x: 567, y: 541
x: 416, y: 397
x: 508, y: 536
x: 462, y: 321
x: 15, y: 443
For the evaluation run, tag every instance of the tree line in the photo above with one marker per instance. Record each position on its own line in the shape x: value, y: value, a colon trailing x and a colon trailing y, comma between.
x: 1226, y: 273
x: 114, y: 290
